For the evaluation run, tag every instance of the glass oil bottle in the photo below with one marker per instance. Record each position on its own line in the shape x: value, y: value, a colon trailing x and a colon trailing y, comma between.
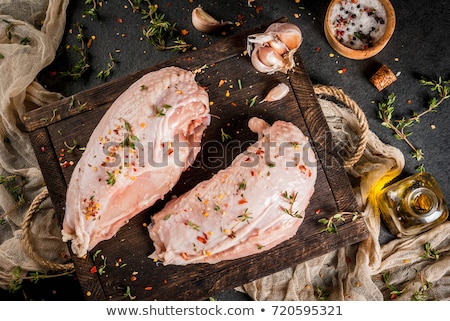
x: 413, y: 205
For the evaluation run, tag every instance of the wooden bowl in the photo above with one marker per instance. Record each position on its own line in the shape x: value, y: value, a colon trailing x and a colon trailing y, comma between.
x: 365, y: 53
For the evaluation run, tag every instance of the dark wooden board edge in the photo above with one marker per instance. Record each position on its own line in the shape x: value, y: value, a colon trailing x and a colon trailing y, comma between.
x: 323, y: 141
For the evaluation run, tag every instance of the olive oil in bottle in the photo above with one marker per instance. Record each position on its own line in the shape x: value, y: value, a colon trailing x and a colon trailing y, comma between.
x: 412, y: 205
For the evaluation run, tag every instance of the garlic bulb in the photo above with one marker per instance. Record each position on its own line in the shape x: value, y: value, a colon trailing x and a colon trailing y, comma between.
x: 204, y: 22
x: 276, y: 93
x: 274, y: 49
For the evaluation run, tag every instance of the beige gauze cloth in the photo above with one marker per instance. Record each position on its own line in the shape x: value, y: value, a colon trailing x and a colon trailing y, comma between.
x: 20, y: 62
x: 351, y: 273
x: 355, y: 272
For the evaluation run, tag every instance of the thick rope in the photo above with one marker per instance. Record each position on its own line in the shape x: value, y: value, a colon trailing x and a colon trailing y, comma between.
x: 322, y: 90
x: 26, y: 238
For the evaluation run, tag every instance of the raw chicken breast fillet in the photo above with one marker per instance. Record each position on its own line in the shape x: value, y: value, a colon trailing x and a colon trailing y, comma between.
x: 135, y: 155
x: 253, y: 205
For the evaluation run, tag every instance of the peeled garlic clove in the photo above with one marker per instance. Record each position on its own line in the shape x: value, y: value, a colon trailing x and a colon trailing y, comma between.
x: 267, y: 60
x: 204, y: 22
x: 276, y: 93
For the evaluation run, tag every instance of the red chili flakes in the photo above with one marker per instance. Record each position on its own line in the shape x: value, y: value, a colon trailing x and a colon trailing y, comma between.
x: 43, y: 149
x: 242, y: 201
x: 318, y: 211
x: 119, y: 20
x: 93, y: 270
x: 184, y: 256
x: 233, y: 104
x: 258, y: 9
x: 133, y: 278
x: 342, y: 70
x: 184, y: 32
x: 201, y: 239
x: 148, y: 288
x: 317, y: 49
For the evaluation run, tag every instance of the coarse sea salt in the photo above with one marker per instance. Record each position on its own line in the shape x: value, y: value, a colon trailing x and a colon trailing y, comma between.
x: 358, y: 24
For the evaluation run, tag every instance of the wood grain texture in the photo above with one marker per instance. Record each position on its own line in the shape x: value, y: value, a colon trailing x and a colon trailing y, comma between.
x: 126, y: 255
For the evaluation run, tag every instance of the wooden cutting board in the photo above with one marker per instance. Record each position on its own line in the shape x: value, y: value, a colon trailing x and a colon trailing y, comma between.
x: 123, y: 261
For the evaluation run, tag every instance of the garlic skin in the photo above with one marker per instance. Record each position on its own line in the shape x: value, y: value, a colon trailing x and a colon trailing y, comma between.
x: 204, y: 22
x: 276, y: 93
x: 274, y: 49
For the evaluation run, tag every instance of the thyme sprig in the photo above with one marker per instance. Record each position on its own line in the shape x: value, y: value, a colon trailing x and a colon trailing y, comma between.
x: 395, y: 292
x: 425, y: 291
x: 159, y: 32
x: 104, y: 74
x: 15, y: 184
x: 16, y: 283
x: 82, y: 65
x: 321, y: 294
x: 290, y: 198
x: 91, y: 11
x: 402, y: 127
x: 330, y: 223
x: 429, y: 252
x: 224, y: 135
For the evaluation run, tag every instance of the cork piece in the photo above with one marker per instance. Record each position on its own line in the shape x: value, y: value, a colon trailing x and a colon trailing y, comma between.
x: 382, y: 78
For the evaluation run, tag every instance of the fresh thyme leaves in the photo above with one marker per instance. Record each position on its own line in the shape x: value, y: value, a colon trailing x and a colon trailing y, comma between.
x: 104, y: 74
x: 402, y: 127
x: 25, y: 41
x: 192, y: 225
x: 130, y: 138
x: 245, y: 217
x: 224, y: 135
x: 94, y: 256
x: 82, y: 65
x: 128, y: 294
x: 330, y: 224
x: 290, y: 198
x: 429, y: 252
x: 111, y: 178
x: 9, y: 29
x: 242, y: 185
x: 159, y: 32
x: 252, y: 101
x: 92, y: 11
x: 424, y: 291
x: 321, y: 294
x: 162, y: 112
x: 16, y: 283
x: 395, y: 292
x: 15, y: 184
x: 75, y: 144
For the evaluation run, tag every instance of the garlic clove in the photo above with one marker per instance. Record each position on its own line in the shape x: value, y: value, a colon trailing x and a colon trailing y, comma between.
x: 276, y: 93
x: 267, y: 60
x: 204, y: 22
x: 288, y: 33
x: 284, y: 39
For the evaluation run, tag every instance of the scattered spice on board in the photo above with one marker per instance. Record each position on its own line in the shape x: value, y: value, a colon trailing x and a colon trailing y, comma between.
x: 358, y: 24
